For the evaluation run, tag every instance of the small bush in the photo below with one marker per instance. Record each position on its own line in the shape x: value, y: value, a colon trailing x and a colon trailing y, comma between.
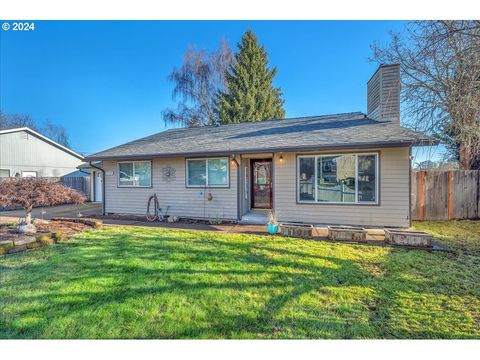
x: 57, y: 236
x: 215, y: 221
x: 4, y: 248
x: 34, y: 245
x: 45, y: 240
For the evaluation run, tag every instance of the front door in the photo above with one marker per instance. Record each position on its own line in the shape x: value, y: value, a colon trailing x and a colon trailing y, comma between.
x: 261, y: 183
x: 98, y: 186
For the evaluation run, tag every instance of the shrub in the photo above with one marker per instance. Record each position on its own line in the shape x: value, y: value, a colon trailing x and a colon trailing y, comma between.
x: 30, y: 192
x: 5, y: 247
x: 215, y: 221
x: 45, y: 240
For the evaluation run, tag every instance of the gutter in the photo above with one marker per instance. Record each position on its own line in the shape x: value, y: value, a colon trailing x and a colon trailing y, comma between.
x: 103, y: 185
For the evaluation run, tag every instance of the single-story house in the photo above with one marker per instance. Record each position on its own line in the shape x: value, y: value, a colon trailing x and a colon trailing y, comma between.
x: 26, y: 153
x: 351, y: 168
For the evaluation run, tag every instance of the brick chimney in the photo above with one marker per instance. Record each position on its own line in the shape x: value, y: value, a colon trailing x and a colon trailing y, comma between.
x: 383, y: 94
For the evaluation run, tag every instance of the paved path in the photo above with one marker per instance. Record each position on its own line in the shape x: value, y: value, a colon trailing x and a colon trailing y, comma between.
x: 46, y: 213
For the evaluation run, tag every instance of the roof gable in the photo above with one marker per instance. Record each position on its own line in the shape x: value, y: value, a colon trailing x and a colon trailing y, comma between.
x: 44, y: 138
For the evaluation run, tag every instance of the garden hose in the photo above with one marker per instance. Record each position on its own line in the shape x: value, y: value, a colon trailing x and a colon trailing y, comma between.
x: 156, y: 205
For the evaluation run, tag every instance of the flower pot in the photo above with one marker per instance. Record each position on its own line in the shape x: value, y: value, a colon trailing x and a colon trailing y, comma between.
x: 272, y: 228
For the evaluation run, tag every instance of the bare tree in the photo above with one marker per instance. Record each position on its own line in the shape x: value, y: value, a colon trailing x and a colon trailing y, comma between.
x: 53, y: 131
x: 10, y: 121
x: 30, y: 192
x: 196, y: 83
x: 440, y: 68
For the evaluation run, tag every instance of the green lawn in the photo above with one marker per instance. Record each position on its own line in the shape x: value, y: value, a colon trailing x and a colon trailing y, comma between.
x: 127, y: 282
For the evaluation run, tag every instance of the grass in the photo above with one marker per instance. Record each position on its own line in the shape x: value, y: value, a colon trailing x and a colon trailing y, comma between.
x: 463, y: 235
x: 127, y: 282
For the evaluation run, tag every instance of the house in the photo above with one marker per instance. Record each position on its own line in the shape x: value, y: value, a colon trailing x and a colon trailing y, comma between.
x: 351, y: 168
x: 26, y: 153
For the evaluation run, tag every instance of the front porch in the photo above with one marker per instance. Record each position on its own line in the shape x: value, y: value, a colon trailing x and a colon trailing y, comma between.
x: 256, y: 190
x: 255, y: 217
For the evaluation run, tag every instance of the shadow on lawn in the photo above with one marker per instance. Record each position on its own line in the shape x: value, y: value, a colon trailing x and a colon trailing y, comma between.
x: 265, y: 287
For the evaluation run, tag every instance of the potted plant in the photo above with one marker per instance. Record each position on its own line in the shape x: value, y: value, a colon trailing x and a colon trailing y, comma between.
x: 272, y: 226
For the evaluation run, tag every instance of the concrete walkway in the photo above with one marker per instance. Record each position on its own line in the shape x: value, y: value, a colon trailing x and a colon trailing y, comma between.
x: 321, y: 232
x: 48, y: 212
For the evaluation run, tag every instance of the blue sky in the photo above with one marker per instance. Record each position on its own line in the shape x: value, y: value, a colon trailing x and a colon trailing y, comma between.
x: 106, y: 81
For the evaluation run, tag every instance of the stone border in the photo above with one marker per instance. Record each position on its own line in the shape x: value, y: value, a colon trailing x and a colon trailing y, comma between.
x: 27, y: 242
x: 85, y: 221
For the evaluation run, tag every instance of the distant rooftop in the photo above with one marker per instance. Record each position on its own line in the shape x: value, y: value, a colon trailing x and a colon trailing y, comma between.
x: 348, y: 130
x: 44, y: 138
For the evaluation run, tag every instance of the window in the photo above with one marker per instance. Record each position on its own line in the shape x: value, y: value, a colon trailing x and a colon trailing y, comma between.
x: 29, y: 174
x: 343, y: 178
x: 135, y: 174
x: 4, y: 173
x: 307, y: 178
x: 212, y: 172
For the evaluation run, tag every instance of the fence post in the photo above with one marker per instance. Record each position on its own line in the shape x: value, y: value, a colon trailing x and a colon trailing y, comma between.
x: 421, y: 193
x: 451, y: 214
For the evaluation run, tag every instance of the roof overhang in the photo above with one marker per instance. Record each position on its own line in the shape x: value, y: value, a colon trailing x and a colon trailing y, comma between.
x: 423, y: 142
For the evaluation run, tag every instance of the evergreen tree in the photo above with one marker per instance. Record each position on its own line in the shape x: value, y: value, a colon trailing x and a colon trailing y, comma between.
x: 249, y: 93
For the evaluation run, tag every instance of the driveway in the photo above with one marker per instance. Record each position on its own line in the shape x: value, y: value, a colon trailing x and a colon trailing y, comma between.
x: 69, y: 210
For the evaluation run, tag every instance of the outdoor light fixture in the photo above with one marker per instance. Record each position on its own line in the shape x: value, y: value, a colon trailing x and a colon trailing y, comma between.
x: 234, y: 160
x: 281, y: 157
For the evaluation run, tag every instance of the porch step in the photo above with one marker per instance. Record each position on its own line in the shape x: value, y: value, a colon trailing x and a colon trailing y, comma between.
x: 255, y: 217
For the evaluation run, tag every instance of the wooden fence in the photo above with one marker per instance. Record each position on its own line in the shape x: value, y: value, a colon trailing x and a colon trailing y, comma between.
x: 445, y: 195
x: 79, y: 183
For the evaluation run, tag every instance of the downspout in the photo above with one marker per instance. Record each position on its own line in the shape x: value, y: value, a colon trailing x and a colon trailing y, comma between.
x: 103, y: 185
x: 410, y: 187
x: 239, y: 188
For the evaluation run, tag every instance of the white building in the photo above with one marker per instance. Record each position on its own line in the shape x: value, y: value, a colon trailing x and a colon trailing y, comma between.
x: 26, y: 153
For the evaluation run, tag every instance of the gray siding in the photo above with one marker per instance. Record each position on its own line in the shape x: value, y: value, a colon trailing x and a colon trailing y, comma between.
x: 393, y: 209
x: 22, y: 151
x: 186, y: 202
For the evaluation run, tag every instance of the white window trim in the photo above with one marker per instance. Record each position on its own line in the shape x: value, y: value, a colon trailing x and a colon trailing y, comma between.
x: 315, y: 187
x: 29, y: 171
x: 227, y: 185
x: 133, y: 162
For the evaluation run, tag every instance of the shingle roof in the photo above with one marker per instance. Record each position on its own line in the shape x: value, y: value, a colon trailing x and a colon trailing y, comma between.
x: 351, y: 130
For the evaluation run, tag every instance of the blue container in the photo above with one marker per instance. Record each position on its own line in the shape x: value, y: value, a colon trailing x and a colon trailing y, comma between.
x: 272, y: 228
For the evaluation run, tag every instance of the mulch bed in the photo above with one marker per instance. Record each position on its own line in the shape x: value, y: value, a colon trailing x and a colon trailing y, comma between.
x: 67, y: 228
x: 143, y: 219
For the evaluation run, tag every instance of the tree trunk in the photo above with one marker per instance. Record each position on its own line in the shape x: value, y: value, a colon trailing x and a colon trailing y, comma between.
x: 465, y: 157
x: 28, y: 215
